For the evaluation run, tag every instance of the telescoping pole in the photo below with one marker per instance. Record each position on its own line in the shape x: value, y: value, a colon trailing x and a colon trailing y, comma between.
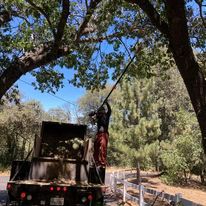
x: 118, y: 80
x: 124, y: 71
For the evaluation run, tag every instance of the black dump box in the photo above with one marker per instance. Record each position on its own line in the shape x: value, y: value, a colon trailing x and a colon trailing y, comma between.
x: 59, y: 171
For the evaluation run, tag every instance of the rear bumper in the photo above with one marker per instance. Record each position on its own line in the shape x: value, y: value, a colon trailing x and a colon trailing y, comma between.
x: 33, y: 195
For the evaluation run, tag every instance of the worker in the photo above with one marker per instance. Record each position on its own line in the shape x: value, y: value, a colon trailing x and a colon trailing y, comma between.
x: 102, y: 136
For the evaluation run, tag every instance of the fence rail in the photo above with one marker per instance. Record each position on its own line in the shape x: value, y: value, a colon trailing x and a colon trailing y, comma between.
x: 117, y: 178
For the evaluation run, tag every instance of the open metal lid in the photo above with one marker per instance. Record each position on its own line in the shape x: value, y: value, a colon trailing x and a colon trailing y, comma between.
x: 61, y: 131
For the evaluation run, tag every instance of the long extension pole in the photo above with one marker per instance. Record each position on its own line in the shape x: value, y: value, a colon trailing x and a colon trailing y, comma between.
x: 132, y: 59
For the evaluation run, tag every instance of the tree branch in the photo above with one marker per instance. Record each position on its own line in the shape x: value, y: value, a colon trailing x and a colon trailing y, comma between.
x: 132, y: 29
x: 86, y: 3
x: 153, y: 15
x: 62, y: 21
x: 102, y: 38
x: 5, y: 17
x: 93, y: 5
x: 15, y: 13
x: 41, y: 11
x: 125, y: 48
x: 199, y: 3
x: 38, y: 57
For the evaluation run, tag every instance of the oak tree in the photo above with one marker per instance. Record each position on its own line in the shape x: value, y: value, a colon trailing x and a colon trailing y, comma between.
x: 95, y: 36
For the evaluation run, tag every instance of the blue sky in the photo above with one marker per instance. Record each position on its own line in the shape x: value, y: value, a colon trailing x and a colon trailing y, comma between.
x: 69, y: 93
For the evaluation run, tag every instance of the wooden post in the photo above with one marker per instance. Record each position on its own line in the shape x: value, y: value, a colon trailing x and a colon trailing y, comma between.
x: 124, y: 191
x: 111, y: 181
x: 141, y: 197
x: 163, y: 195
x: 124, y: 175
x: 115, y: 184
x: 178, y: 197
x: 138, y: 174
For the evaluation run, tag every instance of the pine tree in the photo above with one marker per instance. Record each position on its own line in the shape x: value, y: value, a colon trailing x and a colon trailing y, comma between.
x: 135, y: 121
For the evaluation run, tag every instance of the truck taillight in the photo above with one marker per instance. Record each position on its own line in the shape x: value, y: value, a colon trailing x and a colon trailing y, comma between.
x: 8, y: 187
x: 58, y: 189
x: 23, y: 195
x: 51, y: 189
x: 64, y: 189
x: 90, y: 197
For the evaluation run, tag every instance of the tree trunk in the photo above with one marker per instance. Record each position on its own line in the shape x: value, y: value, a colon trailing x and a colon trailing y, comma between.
x: 138, y: 174
x: 185, y: 177
x: 202, y: 178
x: 187, y: 65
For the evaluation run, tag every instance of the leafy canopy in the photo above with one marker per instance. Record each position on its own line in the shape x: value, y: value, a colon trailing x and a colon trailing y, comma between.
x: 96, y: 37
